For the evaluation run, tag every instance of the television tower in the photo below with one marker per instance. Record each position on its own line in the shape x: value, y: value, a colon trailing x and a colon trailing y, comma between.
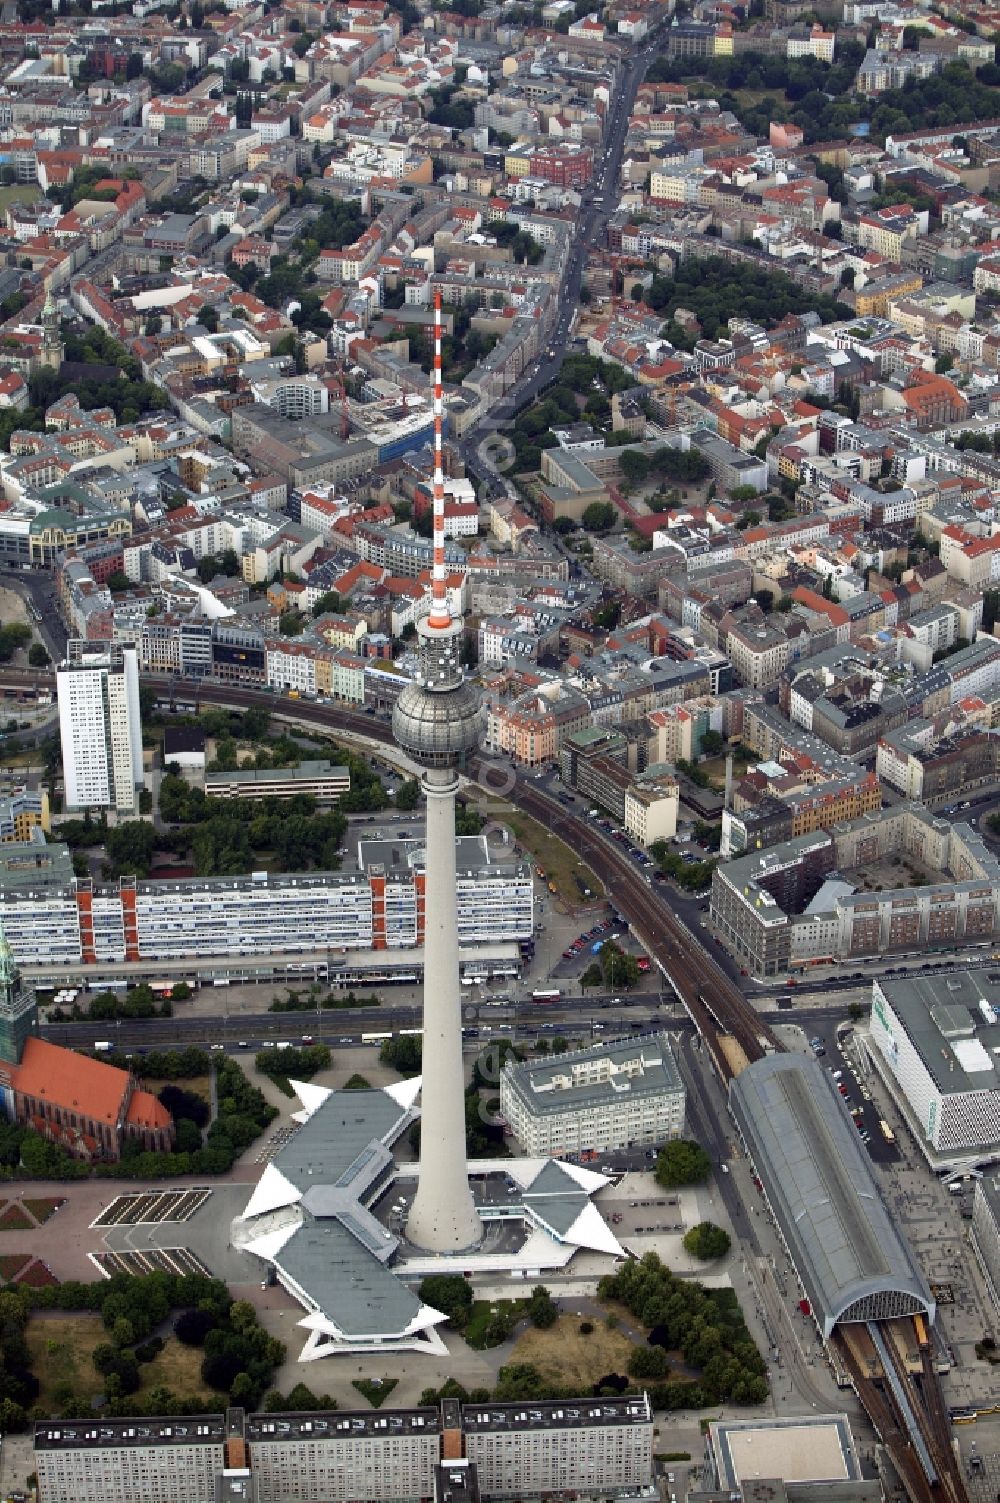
x: 436, y: 721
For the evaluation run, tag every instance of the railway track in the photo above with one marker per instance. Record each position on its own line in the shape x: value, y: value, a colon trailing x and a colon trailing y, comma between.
x: 905, y: 1407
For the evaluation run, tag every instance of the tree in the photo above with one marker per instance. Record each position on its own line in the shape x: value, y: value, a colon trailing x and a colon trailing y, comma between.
x: 37, y: 656
x: 402, y: 1053
x: 118, y: 580
x: 634, y: 466
x: 599, y: 516
x: 130, y: 848
x: 542, y: 1309
x: 648, y: 1362
x: 327, y: 603
x: 208, y: 318
x: 408, y: 794
x: 617, y: 968
x: 449, y: 1293
x: 712, y: 743
x: 706, y: 1241
x: 682, y: 1162
x: 13, y: 637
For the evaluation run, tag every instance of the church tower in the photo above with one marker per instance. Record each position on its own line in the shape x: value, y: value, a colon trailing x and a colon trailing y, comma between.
x: 18, y: 1010
x: 53, y: 350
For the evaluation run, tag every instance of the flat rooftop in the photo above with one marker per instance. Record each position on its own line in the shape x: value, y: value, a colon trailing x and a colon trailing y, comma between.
x: 325, y: 1424
x: 607, y: 1073
x: 813, y: 1448
x: 82, y: 1435
x: 952, y: 1021
x: 558, y: 1414
x: 265, y: 776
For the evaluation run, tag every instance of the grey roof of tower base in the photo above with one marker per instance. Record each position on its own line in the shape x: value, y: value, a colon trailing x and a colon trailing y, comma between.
x: 339, y: 1256
x: 353, y: 1289
x: 555, y: 1197
x: 819, y: 1181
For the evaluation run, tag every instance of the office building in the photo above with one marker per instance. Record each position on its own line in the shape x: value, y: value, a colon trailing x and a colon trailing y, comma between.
x: 325, y: 782
x: 99, y: 725
x: 936, y: 1037
x: 985, y: 1236
x: 614, y: 1095
x: 794, y: 1459
x: 22, y: 812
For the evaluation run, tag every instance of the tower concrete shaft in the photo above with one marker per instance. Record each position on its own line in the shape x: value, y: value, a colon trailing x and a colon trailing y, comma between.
x: 437, y: 719
x: 443, y: 1217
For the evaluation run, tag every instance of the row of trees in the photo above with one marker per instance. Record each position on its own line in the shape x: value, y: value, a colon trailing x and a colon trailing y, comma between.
x: 716, y: 289
x: 228, y: 836
x: 683, y: 467
x: 582, y: 390
x: 614, y: 969
x: 451, y: 1294
x: 692, y: 876
x: 705, y: 1325
x: 296, y: 1064
x: 240, y: 1358
x: 822, y: 100
x: 242, y: 1115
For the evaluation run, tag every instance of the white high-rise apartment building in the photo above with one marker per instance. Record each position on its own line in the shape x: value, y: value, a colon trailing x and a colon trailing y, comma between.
x: 99, y: 725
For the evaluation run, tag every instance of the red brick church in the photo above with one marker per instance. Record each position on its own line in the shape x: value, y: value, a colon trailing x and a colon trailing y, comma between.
x: 84, y: 1105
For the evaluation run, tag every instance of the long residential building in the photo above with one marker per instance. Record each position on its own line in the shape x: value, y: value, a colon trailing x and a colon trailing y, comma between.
x: 574, y: 1447
x: 53, y: 918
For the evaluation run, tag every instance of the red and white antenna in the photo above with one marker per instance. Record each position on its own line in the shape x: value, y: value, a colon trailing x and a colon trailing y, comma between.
x: 440, y: 613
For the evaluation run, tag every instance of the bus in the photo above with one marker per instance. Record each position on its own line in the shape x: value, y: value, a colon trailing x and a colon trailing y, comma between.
x: 886, y: 1130
x: 549, y: 997
x: 375, y: 1038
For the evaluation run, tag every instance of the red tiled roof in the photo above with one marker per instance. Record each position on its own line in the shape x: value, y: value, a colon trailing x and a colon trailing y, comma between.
x: 48, y: 1072
x: 145, y: 1110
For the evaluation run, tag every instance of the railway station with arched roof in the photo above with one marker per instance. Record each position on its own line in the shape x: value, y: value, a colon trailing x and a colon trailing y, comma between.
x: 851, y: 1261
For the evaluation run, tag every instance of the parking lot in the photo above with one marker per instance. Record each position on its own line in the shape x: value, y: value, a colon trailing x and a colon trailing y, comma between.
x: 275, y: 1142
x: 837, y: 1049
x: 178, y: 1260
x: 153, y: 1206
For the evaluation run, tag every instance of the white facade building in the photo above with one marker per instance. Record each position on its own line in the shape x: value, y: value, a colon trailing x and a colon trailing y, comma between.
x: 651, y: 810
x: 937, y: 1036
x: 100, y: 726
x: 70, y: 921
x: 610, y: 1096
